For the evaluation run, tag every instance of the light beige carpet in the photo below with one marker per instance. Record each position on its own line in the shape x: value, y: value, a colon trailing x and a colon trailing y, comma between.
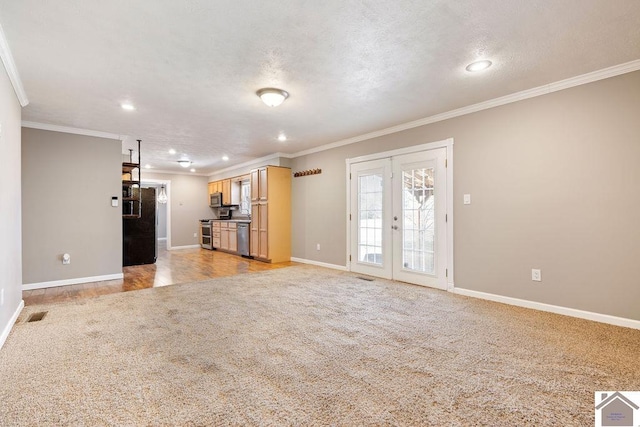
x: 307, y: 346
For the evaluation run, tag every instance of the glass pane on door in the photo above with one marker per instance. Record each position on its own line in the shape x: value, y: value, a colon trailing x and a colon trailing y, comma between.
x: 370, y: 205
x: 418, y: 225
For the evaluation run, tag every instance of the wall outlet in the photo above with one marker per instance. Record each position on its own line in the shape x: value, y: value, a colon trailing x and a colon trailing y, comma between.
x: 536, y: 275
x: 317, y: 246
x: 66, y: 259
x: 195, y: 234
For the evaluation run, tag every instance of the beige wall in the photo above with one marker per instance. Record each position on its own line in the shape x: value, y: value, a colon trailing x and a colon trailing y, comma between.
x: 188, y: 203
x: 554, y: 184
x: 67, y: 184
x: 10, y: 205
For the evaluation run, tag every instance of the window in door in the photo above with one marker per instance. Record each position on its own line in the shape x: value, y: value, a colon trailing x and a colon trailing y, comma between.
x: 370, y: 222
x: 418, y: 225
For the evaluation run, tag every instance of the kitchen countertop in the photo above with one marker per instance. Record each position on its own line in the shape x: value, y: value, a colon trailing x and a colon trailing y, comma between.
x: 233, y: 220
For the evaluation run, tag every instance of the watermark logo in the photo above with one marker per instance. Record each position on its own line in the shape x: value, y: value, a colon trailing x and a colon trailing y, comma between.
x: 617, y: 408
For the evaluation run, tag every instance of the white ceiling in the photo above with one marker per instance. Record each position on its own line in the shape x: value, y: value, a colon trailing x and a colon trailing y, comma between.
x: 192, y: 68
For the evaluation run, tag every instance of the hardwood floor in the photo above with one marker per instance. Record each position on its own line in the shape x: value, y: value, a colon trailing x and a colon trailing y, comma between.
x: 171, y: 267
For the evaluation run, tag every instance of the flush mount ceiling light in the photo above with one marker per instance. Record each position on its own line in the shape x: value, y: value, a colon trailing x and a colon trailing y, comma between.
x: 127, y: 106
x: 272, y: 96
x: 282, y: 137
x: 147, y: 166
x: 478, y: 65
x: 193, y: 170
x: 184, y: 163
x: 225, y: 158
x: 172, y: 151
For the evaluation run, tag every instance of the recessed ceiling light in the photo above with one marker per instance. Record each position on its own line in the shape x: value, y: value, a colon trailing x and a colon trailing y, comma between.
x: 128, y: 107
x: 147, y: 166
x: 478, y: 65
x: 282, y: 137
x: 225, y: 158
x: 185, y: 163
x: 272, y: 96
x: 193, y: 170
x: 172, y: 151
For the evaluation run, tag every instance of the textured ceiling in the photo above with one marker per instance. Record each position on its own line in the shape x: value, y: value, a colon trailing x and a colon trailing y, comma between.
x: 191, y: 68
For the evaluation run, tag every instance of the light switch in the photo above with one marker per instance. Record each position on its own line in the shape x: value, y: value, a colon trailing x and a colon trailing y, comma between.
x: 467, y: 199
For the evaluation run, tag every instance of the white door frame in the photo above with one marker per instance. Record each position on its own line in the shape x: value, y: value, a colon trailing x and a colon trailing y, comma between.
x: 448, y: 144
x: 167, y: 183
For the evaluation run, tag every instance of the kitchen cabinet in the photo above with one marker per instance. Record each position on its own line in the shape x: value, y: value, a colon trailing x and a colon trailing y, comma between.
x: 271, y: 214
x: 215, y: 234
x: 226, y: 191
x: 224, y: 236
x: 255, y: 190
x: 233, y: 237
x: 224, y: 187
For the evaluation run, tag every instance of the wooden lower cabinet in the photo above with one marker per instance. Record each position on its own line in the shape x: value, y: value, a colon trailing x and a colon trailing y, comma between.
x: 259, y: 240
x: 254, y: 237
x: 215, y: 234
x: 224, y: 236
x: 233, y: 237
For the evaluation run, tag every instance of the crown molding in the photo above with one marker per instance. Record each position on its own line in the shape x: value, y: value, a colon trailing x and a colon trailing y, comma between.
x: 251, y: 162
x: 77, y: 131
x: 591, y: 77
x: 168, y: 172
x: 12, y: 70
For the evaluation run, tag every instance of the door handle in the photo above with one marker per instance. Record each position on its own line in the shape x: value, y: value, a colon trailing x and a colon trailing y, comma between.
x: 395, y: 227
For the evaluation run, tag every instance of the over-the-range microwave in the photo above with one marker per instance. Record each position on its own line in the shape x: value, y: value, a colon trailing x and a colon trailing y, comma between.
x: 216, y: 200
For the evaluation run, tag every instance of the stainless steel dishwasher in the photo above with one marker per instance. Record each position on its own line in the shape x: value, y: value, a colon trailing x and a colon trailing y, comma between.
x: 243, y: 238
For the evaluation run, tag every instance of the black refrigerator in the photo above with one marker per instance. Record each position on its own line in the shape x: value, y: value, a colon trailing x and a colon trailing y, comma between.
x: 140, y: 243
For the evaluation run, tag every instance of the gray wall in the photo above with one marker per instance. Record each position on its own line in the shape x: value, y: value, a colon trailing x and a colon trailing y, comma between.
x: 188, y: 203
x: 10, y: 206
x: 554, y: 184
x: 67, y: 184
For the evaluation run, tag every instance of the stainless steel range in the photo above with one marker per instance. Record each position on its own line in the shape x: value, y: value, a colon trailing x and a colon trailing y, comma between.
x: 205, y: 234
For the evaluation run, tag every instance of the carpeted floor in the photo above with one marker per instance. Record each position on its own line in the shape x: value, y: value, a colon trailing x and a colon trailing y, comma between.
x: 307, y: 346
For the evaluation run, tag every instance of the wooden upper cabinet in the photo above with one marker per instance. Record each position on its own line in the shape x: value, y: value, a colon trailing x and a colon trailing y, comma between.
x: 212, y: 188
x: 255, y: 182
x: 226, y: 192
x: 262, y: 184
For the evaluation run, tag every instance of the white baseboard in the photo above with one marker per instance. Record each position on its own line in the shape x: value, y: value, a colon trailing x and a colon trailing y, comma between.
x: 54, y: 283
x: 588, y: 315
x: 12, y: 321
x: 319, y: 264
x: 183, y: 247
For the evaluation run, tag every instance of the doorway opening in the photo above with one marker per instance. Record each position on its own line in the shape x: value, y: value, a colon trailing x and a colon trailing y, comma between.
x: 163, y: 211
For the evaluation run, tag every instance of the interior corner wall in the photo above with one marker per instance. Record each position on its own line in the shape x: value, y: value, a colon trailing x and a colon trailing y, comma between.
x: 189, y: 203
x: 67, y: 184
x: 553, y: 183
x: 10, y: 206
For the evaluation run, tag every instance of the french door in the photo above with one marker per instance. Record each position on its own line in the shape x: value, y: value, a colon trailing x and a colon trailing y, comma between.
x: 398, y: 218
